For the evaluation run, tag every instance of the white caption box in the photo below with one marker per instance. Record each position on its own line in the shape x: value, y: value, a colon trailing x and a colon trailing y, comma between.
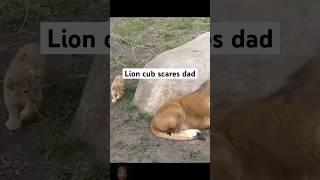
x: 159, y: 73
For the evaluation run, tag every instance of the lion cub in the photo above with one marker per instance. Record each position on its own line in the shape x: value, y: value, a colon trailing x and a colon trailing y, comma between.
x: 182, y: 118
x: 117, y: 88
x: 22, y: 85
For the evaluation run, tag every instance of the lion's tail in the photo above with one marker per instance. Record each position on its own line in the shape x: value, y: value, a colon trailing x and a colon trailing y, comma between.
x: 189, y: 134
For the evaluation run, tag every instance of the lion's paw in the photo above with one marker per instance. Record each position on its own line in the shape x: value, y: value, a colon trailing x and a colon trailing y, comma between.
x: 13, y: 125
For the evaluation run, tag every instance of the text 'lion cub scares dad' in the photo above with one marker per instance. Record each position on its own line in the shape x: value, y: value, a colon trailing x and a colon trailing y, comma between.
x: 22, y: 85
x: 182, y: 118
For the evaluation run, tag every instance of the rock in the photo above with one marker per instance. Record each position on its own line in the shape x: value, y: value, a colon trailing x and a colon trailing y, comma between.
x: 151, y: 94
x: 91, y: 121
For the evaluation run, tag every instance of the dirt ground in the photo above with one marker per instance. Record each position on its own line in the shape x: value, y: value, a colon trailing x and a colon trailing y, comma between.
x: 17, y: 159
x: 42, y: 148
x: 131, y: 139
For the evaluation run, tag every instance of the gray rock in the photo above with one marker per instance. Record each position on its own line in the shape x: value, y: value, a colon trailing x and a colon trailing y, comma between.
x: 151, y: 94
x: 91, y: 121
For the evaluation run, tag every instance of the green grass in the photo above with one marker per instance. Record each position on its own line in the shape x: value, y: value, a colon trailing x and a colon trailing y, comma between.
x: 194, y: 155
x: 117, y: 65
x: 132, y: 29
x: 127, y: 105
x: 126, y: 102
x: 136, y: 25
x: 144, y: 116
x: 176, y: 33
x: 167, y: 34
x: 172, y: 39
x: 187, y: 24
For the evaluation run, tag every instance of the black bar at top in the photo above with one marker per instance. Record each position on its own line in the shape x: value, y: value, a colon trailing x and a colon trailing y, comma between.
x: 160, y: 8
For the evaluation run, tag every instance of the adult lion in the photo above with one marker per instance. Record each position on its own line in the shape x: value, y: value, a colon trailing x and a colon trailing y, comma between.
x: 182, y: 118
x: 275, y: 138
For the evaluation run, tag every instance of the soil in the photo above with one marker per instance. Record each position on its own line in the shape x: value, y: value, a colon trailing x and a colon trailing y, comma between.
x: 18, y: 160
x: 19, y: 157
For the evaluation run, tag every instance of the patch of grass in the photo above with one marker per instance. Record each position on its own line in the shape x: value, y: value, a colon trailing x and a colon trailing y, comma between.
x: 183, y: 24
x: 131, y: 30
x: 202, y: 24
x: 187, y: 24
x: 143, y: 116
x: 170, y: 34
x: 117, y: 65
x: 172, y: 39
x: 126, y: 101
x: 177, y: 32
x: 157, y: 35
x: 127, y: 105
x: 194, y: 155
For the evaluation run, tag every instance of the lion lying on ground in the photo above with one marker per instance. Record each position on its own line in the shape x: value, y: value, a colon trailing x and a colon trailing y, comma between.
x: 182, y: 118
x: 275, y: 138
x: 22, y: 85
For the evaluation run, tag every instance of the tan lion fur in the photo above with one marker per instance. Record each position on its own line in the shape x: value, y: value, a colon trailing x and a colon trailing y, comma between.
x: 22, y: 85
x: 274, y: 138
x: 117, y: 88
x: 181, y: 118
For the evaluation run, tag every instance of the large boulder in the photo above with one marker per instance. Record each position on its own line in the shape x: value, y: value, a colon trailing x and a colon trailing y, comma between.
x: 91, y: 121
x: 151, y: 94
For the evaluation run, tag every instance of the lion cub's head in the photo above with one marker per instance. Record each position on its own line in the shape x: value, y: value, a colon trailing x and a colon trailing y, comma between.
x: 117, y: 88
x: 27, y: 87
